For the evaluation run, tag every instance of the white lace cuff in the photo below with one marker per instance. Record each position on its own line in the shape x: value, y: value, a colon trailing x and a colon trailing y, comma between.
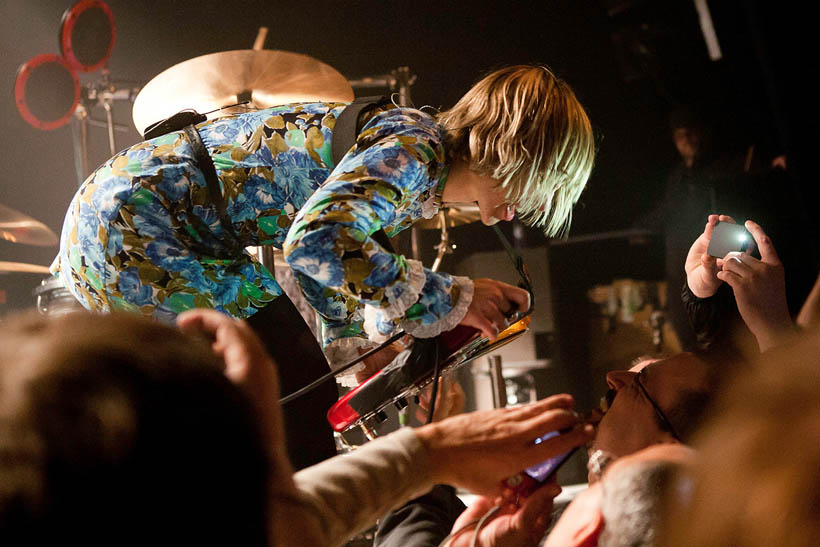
x: 450, y: 320
x: 372, y: 315
x: 409, y: 296
x: 344, y: 350
x: 430, y: 207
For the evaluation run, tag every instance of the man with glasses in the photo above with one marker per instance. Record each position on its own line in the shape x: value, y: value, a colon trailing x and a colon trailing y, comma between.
x: 655, y: 401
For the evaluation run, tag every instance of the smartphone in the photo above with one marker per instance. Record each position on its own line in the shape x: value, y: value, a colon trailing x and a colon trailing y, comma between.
x: 728, y: 237
x: 529, y: 480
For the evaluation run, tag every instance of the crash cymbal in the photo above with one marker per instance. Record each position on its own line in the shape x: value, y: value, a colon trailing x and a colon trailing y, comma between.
x: 21, y: 267
x: 455, y: 214
x: 19, y: 228
x: 266, y: 77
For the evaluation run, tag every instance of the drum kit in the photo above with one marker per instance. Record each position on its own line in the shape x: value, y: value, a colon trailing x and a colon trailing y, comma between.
x: 252, y: 79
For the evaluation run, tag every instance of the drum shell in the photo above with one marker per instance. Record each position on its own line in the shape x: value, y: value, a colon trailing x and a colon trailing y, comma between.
x: 54, y: 299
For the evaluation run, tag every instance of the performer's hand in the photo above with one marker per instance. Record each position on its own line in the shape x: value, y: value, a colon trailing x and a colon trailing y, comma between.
x: 760, y: 290
x: 511, y: 526
x: 504, y: 438
x: 492, y: 300
x: 701, y: 269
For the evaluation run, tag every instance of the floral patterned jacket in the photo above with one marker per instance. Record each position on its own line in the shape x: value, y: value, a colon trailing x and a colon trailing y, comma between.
x: 141, y: 233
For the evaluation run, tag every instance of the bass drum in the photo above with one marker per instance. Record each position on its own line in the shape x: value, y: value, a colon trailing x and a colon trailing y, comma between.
x: 54, y: 299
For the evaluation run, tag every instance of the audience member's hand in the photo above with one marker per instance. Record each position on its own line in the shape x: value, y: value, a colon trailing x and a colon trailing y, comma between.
x: 492, y: 301
x: 504, y: 439
x: 760, y: 289
x: 449, y: 400
x: 701, y: 269
x: 247, y: 365
x: 510, y: 526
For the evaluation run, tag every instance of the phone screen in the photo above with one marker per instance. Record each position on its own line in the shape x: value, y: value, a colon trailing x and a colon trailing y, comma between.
x: 543, y: 470
x: 728, y: 237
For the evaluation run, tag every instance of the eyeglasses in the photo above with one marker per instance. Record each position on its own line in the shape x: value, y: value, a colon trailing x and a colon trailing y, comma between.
x: 661, y: 415
x: 606, y: 404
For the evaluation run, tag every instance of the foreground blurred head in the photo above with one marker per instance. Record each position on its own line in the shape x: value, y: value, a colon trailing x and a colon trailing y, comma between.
x: 117, y: 430
x: 758, y: 480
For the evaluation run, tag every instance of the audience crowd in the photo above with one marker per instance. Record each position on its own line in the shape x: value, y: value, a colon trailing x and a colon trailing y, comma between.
x: 117, y: 430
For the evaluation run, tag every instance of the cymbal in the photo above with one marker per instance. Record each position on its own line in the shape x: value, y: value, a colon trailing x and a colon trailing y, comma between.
x: 19, y: 228
x: 21, y: 267
x: 266, y: 77
x: 455, y: 214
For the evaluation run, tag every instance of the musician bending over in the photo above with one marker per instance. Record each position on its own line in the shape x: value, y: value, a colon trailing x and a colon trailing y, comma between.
x: 144, y: 234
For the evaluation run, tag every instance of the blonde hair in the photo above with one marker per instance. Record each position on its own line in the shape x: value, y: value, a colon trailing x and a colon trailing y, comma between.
x: 524, y: 127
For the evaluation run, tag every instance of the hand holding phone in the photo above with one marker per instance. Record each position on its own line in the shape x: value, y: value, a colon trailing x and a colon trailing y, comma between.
x: 728, y: 237
x: 528, y: 481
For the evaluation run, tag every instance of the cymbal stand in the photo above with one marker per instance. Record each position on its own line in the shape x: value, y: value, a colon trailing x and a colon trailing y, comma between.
x: 398, y: 81
x: 103, y: 93
x: 443, y: 246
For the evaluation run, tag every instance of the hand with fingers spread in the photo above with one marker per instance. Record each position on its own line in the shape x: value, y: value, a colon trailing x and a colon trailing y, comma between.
x: 701, y: 269
x: 477, y: 451
x: 492, y: 302
x: 512, y: 525
x: 760, y: 290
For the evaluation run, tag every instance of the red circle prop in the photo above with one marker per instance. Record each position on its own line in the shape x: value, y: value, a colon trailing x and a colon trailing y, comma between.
x: 70, y: 18
x: 20, y: 91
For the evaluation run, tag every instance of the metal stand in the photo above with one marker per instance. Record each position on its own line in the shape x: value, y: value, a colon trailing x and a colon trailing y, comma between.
x: 398, y: 81
x: 100, y: 93
x: 497, y: 379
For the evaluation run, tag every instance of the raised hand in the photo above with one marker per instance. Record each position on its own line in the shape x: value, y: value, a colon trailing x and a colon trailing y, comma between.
x: 701, y: 269
x: 760, y: 289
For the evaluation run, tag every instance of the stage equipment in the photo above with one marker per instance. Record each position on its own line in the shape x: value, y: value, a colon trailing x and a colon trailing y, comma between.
x: 54, y: 299
x: 22, y: 267
x: 264, y: 77
x: 20, y: 228
x: 48, y: 93
x: 455, y: 214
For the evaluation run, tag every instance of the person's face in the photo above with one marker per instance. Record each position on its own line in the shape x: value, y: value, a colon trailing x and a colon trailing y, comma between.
x: 687, y: 141
x: 492, y: 201
x: 631, y: 422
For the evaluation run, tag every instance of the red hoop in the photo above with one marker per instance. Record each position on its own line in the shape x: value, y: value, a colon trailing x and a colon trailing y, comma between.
x: 23, y: 74
x: 67, y: 26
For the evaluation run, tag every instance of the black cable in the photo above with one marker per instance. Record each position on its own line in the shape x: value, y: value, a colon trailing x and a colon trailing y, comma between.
x: 434, y: 391
x: 332, y: 374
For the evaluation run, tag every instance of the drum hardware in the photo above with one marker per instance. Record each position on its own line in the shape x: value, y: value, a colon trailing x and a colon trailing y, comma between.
x: 264, y: 77
x: 455, y: 214
x: 21, y: 267
x: 497, y: 380
x: 398, y: 81
x: 87, y: 36
x: 21, y: 228
x: 54, y: 299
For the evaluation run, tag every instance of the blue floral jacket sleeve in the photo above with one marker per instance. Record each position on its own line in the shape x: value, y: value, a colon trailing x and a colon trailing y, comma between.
x: 386, y: 181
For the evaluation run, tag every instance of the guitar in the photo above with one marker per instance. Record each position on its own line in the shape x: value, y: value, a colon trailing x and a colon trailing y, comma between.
x: 406, y: 378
